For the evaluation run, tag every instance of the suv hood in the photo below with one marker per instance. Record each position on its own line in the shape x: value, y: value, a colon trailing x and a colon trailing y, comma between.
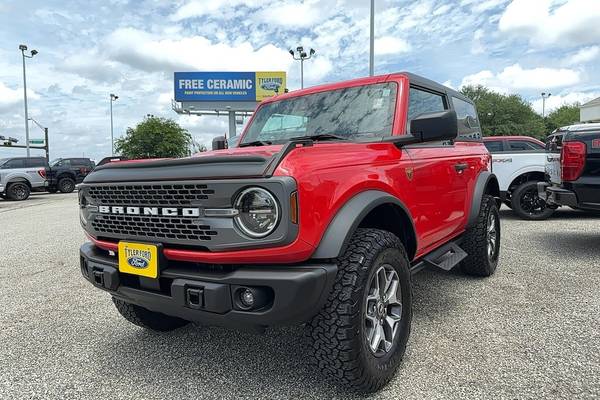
x: 248, y: 162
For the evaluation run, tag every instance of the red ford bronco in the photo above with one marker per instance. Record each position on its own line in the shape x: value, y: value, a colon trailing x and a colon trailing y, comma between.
x: 333, y: 197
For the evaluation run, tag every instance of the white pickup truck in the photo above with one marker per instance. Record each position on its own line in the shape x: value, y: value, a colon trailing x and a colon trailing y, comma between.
x: 519, y: 162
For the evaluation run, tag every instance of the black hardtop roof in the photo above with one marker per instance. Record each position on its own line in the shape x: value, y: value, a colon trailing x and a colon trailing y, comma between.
x: 418, y: 80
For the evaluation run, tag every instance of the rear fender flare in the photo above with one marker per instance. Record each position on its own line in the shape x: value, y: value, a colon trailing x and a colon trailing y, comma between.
x: 487, y: 183
x: 348, y: 218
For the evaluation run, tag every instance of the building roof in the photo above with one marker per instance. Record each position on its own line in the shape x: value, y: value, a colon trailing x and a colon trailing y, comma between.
x: 591, y: 103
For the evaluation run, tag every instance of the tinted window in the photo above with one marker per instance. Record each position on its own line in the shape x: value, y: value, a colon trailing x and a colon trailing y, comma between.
x: 468, y: 122
x: 14, y: 163
x: 35, y: 162
x: 521, y: 145
x: 79, y: 162
x: 494, y: 146
x: 356, y: 113
x: 421, y: 102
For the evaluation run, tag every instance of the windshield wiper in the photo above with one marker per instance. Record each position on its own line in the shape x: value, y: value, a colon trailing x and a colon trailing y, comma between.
x: 320, y: 136
x: 256, y: 143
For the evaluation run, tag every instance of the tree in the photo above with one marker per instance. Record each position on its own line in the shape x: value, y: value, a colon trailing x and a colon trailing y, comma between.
x: 504, y: 114
x: 155, y: 137
x: 567, y: 114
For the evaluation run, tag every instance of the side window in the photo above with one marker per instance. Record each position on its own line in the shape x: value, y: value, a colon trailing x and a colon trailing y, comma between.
x: 35, y: 162
x: 468, y: 123
x: 494, y: 146
x: 521, y: 145
x: 16, y: 163
x: 421, y: 101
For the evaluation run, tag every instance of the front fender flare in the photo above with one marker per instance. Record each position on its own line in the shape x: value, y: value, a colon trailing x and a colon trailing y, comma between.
x: 347, y: 219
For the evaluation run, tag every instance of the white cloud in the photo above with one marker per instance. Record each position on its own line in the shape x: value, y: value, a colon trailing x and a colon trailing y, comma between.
x: 391, y: 45
x: 515, y: 77
x: 216, y: 8
x: 549, y: 22
x: 295, y: 14
x: 148, y: 52
x: 556, y: 100
x: 584, y: 55
x: 9, y: 98
x: 477, y: 47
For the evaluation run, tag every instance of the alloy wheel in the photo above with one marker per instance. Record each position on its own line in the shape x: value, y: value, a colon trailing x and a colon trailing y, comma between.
x: 383, y: 310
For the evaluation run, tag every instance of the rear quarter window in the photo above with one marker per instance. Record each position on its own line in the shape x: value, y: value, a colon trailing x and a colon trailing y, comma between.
x: 468, y: 122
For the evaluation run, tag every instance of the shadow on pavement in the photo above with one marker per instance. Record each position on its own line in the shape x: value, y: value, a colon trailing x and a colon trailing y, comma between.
x: 563, y: 213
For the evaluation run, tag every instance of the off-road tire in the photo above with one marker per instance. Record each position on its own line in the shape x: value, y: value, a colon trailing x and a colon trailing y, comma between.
x: 18, y: 191
x: 66, y: 185
x: 148, y: 319
x: 522, y: 213
x: 475, y: 241
x: 337, y: 334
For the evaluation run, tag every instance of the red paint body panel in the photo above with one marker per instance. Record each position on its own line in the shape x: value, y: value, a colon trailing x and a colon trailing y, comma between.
x: 423, y: 177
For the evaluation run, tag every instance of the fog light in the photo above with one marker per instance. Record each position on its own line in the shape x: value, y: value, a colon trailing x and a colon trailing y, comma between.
x: 247, y: 298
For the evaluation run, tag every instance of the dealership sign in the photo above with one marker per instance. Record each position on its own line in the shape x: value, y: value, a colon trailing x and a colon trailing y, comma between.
x: 227, y: 86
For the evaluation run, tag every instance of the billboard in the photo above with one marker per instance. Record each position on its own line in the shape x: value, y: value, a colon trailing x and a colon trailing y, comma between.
x: 227, y: 86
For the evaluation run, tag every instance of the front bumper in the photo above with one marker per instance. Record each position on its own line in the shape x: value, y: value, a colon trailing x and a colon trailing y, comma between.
x: 295, y: 293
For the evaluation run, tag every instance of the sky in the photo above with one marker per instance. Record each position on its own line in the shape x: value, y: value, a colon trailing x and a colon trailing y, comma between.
x: 88, y: 50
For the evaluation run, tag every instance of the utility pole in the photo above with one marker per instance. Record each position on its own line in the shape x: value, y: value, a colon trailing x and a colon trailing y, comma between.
x: 23, y: 49
x: 372, y: 41
x: 544, y: 97
x: 46, y: 146
x: 301, y: 57
x: 113, y: 97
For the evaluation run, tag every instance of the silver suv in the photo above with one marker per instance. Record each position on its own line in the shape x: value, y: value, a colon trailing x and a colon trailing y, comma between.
x: 19, y: 176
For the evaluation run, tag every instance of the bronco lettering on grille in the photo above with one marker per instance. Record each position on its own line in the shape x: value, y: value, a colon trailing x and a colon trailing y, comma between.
x: 164, y: 211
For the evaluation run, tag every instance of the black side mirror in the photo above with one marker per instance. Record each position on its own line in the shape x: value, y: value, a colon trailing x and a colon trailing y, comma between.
x: 219, y: 143
x: 435, y: 126
x: 429, y: 127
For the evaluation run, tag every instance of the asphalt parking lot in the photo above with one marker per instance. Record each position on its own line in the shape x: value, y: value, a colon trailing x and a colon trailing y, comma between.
x: 530, y: 331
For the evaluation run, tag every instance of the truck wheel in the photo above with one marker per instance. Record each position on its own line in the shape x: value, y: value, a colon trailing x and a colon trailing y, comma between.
x: 482, y: 241
x: 360, y: 335
x: 528, y: 205
x: 66, y: 185
x: 148, y: 319
x: 18, y: 191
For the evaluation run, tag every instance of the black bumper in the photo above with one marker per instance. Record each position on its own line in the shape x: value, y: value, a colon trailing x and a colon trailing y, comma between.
x: 291, y: 294
x: 559, y: 196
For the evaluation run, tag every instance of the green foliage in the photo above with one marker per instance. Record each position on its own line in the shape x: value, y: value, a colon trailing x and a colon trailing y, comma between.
x: 503, y: 115
x: 565, y: 115
x: 155, y: 137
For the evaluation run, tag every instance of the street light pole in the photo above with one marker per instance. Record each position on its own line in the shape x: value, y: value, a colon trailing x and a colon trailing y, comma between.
x: 544, y: 97
x: 113, y: 97
x: 23, y: 48
x: 301, y: 57
x: 372, y: 41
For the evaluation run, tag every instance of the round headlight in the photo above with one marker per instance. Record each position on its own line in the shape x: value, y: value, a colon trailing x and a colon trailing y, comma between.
x: 258, y: 212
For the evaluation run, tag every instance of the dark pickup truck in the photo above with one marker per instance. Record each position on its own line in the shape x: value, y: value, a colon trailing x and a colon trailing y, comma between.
x: 64, y: 173
x: 574, y: 175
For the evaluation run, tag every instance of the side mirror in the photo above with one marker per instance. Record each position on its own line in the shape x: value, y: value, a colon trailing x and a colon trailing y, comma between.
x: 219, y: 143
x: 435, y: 126
x: 429, y: 127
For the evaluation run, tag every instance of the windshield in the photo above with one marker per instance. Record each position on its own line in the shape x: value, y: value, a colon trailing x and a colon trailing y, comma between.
x: 55, y: 161
x: 356, y: 113
x: 3, y: 160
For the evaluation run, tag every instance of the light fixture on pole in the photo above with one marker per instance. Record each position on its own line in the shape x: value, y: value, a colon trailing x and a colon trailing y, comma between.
x: 544, y: 97
x: 113, y: 97
x: 301, y: 55
x: 23, y: 49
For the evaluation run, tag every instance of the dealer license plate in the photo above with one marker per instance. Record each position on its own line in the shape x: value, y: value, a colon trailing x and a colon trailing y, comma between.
x: 138, y: 259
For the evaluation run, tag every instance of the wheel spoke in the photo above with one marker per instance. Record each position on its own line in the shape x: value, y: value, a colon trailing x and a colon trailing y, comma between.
x: 376, y: 338
x: 391, y: 296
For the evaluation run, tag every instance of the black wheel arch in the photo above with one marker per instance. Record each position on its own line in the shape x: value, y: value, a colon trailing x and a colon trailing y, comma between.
x: 19, y: 180
x: 487, y: 183
x: 368, y: 209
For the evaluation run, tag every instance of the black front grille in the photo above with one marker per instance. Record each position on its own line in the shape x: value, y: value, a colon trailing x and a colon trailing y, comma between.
x: 148, y: 195
x: 154, y: 227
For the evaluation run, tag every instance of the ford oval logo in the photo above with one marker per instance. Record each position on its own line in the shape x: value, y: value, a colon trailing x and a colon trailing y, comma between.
x: 137, y: 262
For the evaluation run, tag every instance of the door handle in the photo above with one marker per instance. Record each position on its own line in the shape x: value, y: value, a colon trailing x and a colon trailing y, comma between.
x: 460, y: 167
